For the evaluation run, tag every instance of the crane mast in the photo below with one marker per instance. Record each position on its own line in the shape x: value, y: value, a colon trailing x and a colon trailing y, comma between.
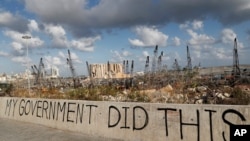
x: 147, y: 65
x: 127, y: 68
x: 236, y: 68
x: 160, y: 62
x: 123, y: 67
x: 38, y: 72
x: 189, y: 63
x: 132, y: 68
x: 69, y: 62
x: 154, y: 59
x: 176, y: 65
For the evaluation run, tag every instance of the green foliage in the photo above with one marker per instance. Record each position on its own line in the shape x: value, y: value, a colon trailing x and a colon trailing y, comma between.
x: 136, y: 96
x: 109, y: 90
x: 238, y: 97
x: 84, y: 94
x: 241, y: 97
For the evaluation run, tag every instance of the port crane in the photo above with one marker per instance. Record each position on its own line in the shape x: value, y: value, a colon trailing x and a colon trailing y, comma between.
x: 236, y: 68
x: 189, y: 62
x: 38, y: 72
x: 72, y: 69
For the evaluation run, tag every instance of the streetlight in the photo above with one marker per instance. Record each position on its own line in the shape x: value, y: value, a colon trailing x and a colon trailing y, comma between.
x: 26, y: 37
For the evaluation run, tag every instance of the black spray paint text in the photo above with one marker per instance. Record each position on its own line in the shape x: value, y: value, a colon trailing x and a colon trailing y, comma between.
x: 136, y: 118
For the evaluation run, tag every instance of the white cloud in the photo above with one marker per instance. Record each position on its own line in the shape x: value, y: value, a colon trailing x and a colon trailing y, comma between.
x: 18, y: 48
x: 75, y: 58
x: 85, y: 44
x: 120, y: 56
x: 33, y: 25
x: 148, y: 37
x: 60, y: 61
x: 12, y: 22
x: 34, y: 42
x: 57, y: 61
x: 197, y: 24
x: 199, y: 39
x: 62, y: 55
x: 59, y: 39
x: 23, y: 60
x: 128, y: 13
x: 142, y: 58
x: 240, y: 45
x: 184, y: 25
x: 5, y: 54
x: 176, y: 41
x: 228, y: 36
x: 51, y: 61
x: 222, y: 53
x: 58, y: 35
x: 136, y: 42
x: 116, y: 56
x: 126, y: 53
x: 6, y: 18
x: 55, y: 30
x: 145, y: 53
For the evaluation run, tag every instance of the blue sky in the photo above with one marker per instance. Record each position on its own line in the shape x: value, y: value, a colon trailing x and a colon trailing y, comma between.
x: 98, y: 31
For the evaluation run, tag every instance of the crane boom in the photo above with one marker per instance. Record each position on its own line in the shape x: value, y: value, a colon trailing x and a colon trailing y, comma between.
x: 189, y: 63
x: 147, y: 65
x: 72, y: 69
x: 40, y: 71
x: 155, y: 59
x: 69, y: 61
x: 236, y: 68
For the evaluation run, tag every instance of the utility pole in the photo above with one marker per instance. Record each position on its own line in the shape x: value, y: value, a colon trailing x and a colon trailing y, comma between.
x: 236, y: 67
x: 26, y: 37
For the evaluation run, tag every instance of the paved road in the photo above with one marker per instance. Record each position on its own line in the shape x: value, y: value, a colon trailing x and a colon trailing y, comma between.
x: 11, y: 130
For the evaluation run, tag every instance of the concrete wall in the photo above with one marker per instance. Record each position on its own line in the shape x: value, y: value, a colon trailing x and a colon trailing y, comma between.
x: 130, y: 121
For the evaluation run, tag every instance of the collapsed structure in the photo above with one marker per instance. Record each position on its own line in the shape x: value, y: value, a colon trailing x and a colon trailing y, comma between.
x: 107, y: 70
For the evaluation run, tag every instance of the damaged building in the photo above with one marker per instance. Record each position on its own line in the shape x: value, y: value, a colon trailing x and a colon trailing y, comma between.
x: 108, y: 70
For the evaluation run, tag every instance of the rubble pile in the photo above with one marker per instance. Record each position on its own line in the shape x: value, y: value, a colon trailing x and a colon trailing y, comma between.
x: 202, y: 95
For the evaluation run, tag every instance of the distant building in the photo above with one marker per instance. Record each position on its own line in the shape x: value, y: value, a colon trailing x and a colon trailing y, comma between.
x: 54, y: 72
x: 113, y: 70
x: 3, y: 78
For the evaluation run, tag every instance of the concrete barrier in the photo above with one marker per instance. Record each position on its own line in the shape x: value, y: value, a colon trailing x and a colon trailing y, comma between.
x: 130, y: 121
